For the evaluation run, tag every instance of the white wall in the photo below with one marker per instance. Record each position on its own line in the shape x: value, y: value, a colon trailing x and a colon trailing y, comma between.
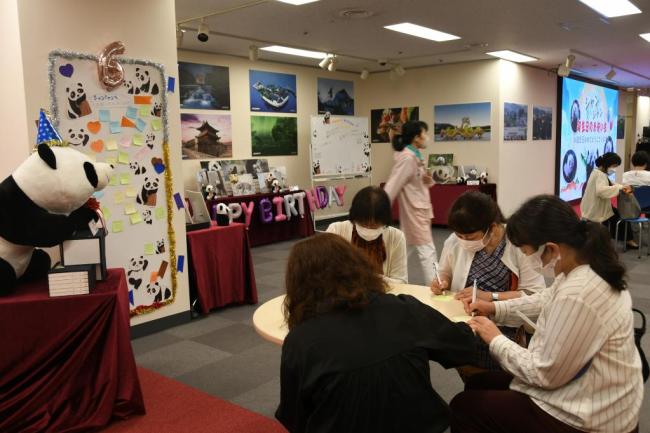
x: 15, y: 141
x: 526, y: 168
x: 147, y: 28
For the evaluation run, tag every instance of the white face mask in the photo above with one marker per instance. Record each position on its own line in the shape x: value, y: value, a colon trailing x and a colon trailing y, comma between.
x: 548, y: 270
x: 367, y: 234
x: 475, y: 246
x: 611, y: 171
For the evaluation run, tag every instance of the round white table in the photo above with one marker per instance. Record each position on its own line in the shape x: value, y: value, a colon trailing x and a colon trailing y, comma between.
x: 268, y: 319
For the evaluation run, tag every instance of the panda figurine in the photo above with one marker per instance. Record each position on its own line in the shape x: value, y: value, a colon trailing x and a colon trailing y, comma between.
x: 209, y: 193
x: 483, y: 178
x: 41, y: 205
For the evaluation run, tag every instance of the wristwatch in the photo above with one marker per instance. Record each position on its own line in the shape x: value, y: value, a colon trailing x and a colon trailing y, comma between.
x: 495, y: 296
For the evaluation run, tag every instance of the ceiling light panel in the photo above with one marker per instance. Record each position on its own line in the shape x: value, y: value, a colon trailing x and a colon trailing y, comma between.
x: 297, y: 2
x: 512, y: 56
x: 612, y: 8
x: 295, y: 52
x: 422, y: 32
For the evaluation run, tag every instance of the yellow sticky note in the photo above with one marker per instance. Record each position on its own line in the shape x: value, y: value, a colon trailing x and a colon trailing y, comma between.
x: 111, y: 160
x: 131, y: 192
x: 107, y: 212
x: 148, y: 249
x: 138, y: 139
x: 136, y: 218
x: 118, y: 197
x: 118, y: 226
x: 156, y: 124
x: 443, y: 298
x: 129, y: 209
x: 113, y: 181
x: 125, y: 178
x: 111, y: 144
x: 123, y: 158
x: 160, y: 213
x: 145, y: 111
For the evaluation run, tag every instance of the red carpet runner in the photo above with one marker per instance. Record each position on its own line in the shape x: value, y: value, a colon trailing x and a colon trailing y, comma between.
x: 176, y: 408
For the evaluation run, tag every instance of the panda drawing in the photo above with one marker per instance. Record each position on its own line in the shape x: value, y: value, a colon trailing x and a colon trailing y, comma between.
x: 143, y: 82
x: 159, y: 293
x: 157, y: 109
x: 150, y: 140
x: 366, y: 149
x: 317, y: 167
x: 148, y: 193
x: 79, y: 106
x: 130, y: 89
x: 137, y: 265
x: 146, y: 216
x: 160, y: 246
x: 78, y: 137
x: 42, y: 203
x: 137, y: 168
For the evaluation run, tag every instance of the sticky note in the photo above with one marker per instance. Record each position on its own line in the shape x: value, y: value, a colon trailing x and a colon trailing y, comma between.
x: 125, y: 179
x: 148, y: 250
x: 131, y: 192
x: 181, y: 263
x: 138, y: 139
x: 141, y: 125
x: 118, y: 198
x: 111, y: 160
x: 154, y: 275
x: 125, y: 142
x: 129, y: 209
x: 141, y: 99
x: 98, y: 194
x: 160, y: 213
x: 156, y: 124
x: 127, y: 123
x: 111, y: 144
x: 113, y: 181
x: 118, y: 226
x: 104, y: 116
x: 123, y: 158
x: 171, y: 84
x: 106, y: 211
x: 145, y: 111
x: 132, y: 112
x: 179, y: 201
x: 115, y: 128
x: 135, y: 218
x: 443, y: 298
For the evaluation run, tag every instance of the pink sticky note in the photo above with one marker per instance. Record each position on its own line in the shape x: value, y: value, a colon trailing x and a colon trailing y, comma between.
x: 125, y: 142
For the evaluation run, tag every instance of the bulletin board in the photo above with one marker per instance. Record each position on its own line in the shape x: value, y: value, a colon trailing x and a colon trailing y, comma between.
x: 340, y: 146
x: 126, y: 127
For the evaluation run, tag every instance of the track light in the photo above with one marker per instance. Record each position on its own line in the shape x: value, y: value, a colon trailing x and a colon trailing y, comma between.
x: 364, y: 74
x: 323, y: 64
x: 611, y: 74
x: 179, y: 36
x: 203, y: 33
x: 253, y: 53
x: 332, y: 66
x: 565, y: 69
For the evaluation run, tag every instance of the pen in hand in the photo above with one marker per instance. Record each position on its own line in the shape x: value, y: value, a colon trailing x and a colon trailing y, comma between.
x: 474, y: 287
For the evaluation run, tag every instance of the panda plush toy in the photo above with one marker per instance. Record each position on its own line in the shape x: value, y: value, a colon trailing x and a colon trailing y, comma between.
x: 41, y: 205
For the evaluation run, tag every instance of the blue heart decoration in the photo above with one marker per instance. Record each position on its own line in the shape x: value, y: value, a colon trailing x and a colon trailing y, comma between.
x: 66, y: 70
x: 159, y: 168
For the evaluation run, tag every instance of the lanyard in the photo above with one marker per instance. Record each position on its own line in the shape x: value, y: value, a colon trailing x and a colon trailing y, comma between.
x: 415, y: 151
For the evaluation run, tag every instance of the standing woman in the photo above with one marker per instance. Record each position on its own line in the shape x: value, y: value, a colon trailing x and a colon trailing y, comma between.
x: 409, y: 183
x: 581, y: 371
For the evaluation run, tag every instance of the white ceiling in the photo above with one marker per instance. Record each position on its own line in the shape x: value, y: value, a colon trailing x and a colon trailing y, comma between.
x: 548, y: 30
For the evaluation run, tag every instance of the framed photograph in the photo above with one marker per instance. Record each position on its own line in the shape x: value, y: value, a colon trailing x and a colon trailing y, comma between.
x: 620, y: 128
x: 437, y: 159
x: 272, y: 92
x: 542, y: 123
x: 206, y: 136
x: 274, y: 136
x: 462, y: 122
x: 445, y: 174
x: 205, y: 87
x: 384, y: 120
x: 335, y: 97
x: 515, y: 122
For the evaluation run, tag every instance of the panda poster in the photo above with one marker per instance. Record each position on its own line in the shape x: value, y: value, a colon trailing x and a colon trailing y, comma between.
x: 127, y: 128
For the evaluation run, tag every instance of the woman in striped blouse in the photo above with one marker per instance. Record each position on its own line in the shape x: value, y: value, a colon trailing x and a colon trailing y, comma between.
x: 581, y: 371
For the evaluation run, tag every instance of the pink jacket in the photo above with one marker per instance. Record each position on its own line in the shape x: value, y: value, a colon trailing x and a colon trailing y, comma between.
x: 407, y: 184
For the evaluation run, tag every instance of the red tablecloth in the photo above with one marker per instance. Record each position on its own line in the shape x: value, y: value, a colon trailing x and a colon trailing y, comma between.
x: 261, y: 233
x: 443, y: 196
x: 221, y: 266
x: 66, y: 363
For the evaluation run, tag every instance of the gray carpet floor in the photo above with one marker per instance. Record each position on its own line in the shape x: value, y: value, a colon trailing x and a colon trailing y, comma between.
x: 222, y: 355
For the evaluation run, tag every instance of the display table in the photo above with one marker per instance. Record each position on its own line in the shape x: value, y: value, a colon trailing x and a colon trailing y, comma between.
x: 66, y: 363
x: 443, y: 196
x: 221, y: 267
x: 262, y: 233
x: 269, y: 323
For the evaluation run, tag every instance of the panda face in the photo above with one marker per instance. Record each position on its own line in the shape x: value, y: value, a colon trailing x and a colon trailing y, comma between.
x: 75, y: 93
x: 151, y: 184
x: 137, y: 264
x: 153, y: 288
x: 141, y: 76
x: 61, y: 179
x: 78, y: 137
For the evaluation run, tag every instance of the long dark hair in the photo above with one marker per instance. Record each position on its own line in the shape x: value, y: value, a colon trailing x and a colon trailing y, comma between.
x: 371, y: 205
x: 546, y: 218
x: 608, y: 159
x: 327, y: 273
x: 410, y: 130
x: 474, y: 211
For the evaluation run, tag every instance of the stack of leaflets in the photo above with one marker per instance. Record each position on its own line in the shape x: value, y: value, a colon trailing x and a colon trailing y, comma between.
x: 71, y: 280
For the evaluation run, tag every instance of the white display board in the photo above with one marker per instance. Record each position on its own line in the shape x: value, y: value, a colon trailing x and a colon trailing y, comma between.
x: 340, y: 146
x: 126, y: 127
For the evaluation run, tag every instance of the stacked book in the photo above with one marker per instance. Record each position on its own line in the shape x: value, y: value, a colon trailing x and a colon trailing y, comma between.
x: 71, y: 280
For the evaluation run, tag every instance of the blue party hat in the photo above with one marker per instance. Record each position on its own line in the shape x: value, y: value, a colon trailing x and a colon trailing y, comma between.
x: 46, y: 132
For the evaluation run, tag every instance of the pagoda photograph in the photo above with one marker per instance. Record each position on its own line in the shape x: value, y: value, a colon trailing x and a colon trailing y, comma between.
x: 206, y: 136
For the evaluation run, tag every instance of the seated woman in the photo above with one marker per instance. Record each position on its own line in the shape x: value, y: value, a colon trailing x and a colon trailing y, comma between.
x: 639, y: 174
x: 369, y: 228
x: 581, y: 371
x: 357, y: 359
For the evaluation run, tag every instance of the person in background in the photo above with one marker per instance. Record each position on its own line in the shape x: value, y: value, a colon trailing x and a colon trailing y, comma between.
x: 368, y: 228
x: 409, y: 183
x: 357, y: 359
x: 596, y: 204
x: 478, y: 250
x: 639, y: 175
x: 581, y: 371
